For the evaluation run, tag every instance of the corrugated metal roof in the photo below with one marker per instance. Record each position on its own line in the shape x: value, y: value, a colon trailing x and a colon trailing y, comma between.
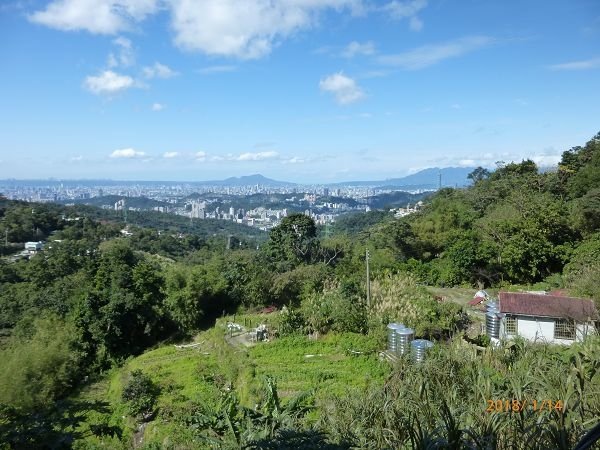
x: 476, y: 301
x: 580, y: 309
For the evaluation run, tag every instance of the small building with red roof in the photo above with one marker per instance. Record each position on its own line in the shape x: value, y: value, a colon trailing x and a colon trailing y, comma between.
x: 546, y: 318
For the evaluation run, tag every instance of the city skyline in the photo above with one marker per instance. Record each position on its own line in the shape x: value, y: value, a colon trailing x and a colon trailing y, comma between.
x: 300, y: 90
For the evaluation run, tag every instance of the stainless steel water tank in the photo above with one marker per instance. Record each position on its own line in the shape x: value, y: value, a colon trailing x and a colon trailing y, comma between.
x: 419, y: 349
x: 492, y: 324
x: 392, y: 336
x: 492, y: 305
x: 404, y: 336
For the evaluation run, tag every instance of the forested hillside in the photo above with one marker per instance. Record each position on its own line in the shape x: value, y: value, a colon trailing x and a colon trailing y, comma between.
x: 75, y: 316
x: 515, y: 225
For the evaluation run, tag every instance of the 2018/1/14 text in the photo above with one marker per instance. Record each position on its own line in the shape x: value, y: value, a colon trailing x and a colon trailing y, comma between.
x: 505, y: 405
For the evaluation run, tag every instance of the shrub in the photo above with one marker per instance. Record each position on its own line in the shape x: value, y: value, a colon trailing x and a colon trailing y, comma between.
x: 398, y: 298
x: 332, y: 310
x: 140, y: 393
x: 289, y: 321
x: 583, y: 271
x: 39, y: 366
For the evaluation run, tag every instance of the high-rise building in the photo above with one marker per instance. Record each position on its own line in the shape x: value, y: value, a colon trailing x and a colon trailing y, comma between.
x: 198, y: 211
x: 120, y: 205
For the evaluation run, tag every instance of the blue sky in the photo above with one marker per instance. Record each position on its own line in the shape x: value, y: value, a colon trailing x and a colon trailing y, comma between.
x: 301, y: 90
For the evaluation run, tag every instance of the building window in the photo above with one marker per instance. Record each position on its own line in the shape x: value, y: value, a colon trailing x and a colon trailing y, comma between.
x: 564, y: 329
x: 510, y: 325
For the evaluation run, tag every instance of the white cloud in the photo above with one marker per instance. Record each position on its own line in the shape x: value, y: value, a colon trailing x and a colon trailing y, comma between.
x: 415, y: 24
x: 125, y: 57
x: 216, y: 69
x: 547, y: 157
x: 127, y: 153
x: 158, y: 107
x: 356, y: 48
x: 543, y: 158
x: 158, y: 70
x: 112, y: 61
x: 108, y: 82
x: 200, y: 156
x: 374, y: 74
x: 170, y: 155
x: 406, y: 10
x: 246, y: 29
x: 257, y: 156
x: 76, y: 158
x: 587, y: 64
x: 295, y: 160
x: 342, y: 87
x: 428, y: 55
x: 546, y: 160
x: 122, y: 42
x: 95, y: 16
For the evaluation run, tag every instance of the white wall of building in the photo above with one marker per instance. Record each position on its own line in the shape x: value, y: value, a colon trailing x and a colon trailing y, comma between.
x: 541, y: 329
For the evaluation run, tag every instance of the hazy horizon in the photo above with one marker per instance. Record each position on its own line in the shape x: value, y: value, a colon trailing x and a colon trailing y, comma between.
x: 434, y: 179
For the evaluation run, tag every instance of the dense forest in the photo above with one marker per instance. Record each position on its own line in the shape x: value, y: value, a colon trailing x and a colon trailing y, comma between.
x: 93, y: 299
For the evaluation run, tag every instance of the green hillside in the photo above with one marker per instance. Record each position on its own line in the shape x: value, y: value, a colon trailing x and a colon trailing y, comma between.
x: 196, y: 380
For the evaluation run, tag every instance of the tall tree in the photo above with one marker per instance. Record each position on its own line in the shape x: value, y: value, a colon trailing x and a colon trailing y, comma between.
x: 478, y: 174
x: 294, y: 240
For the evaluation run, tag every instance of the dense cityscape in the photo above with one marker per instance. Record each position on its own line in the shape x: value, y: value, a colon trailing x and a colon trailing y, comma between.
x: 256, y: 205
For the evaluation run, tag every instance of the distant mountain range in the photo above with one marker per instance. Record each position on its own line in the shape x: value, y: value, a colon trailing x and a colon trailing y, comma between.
x: 424, y: 179
x: 433, y: 177
x: 248, y: 180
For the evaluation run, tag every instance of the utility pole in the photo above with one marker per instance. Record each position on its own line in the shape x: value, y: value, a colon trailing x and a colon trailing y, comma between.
x: 368, y: 281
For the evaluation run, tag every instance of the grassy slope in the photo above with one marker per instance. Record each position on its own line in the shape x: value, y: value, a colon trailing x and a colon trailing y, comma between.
x: 195, y: 378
